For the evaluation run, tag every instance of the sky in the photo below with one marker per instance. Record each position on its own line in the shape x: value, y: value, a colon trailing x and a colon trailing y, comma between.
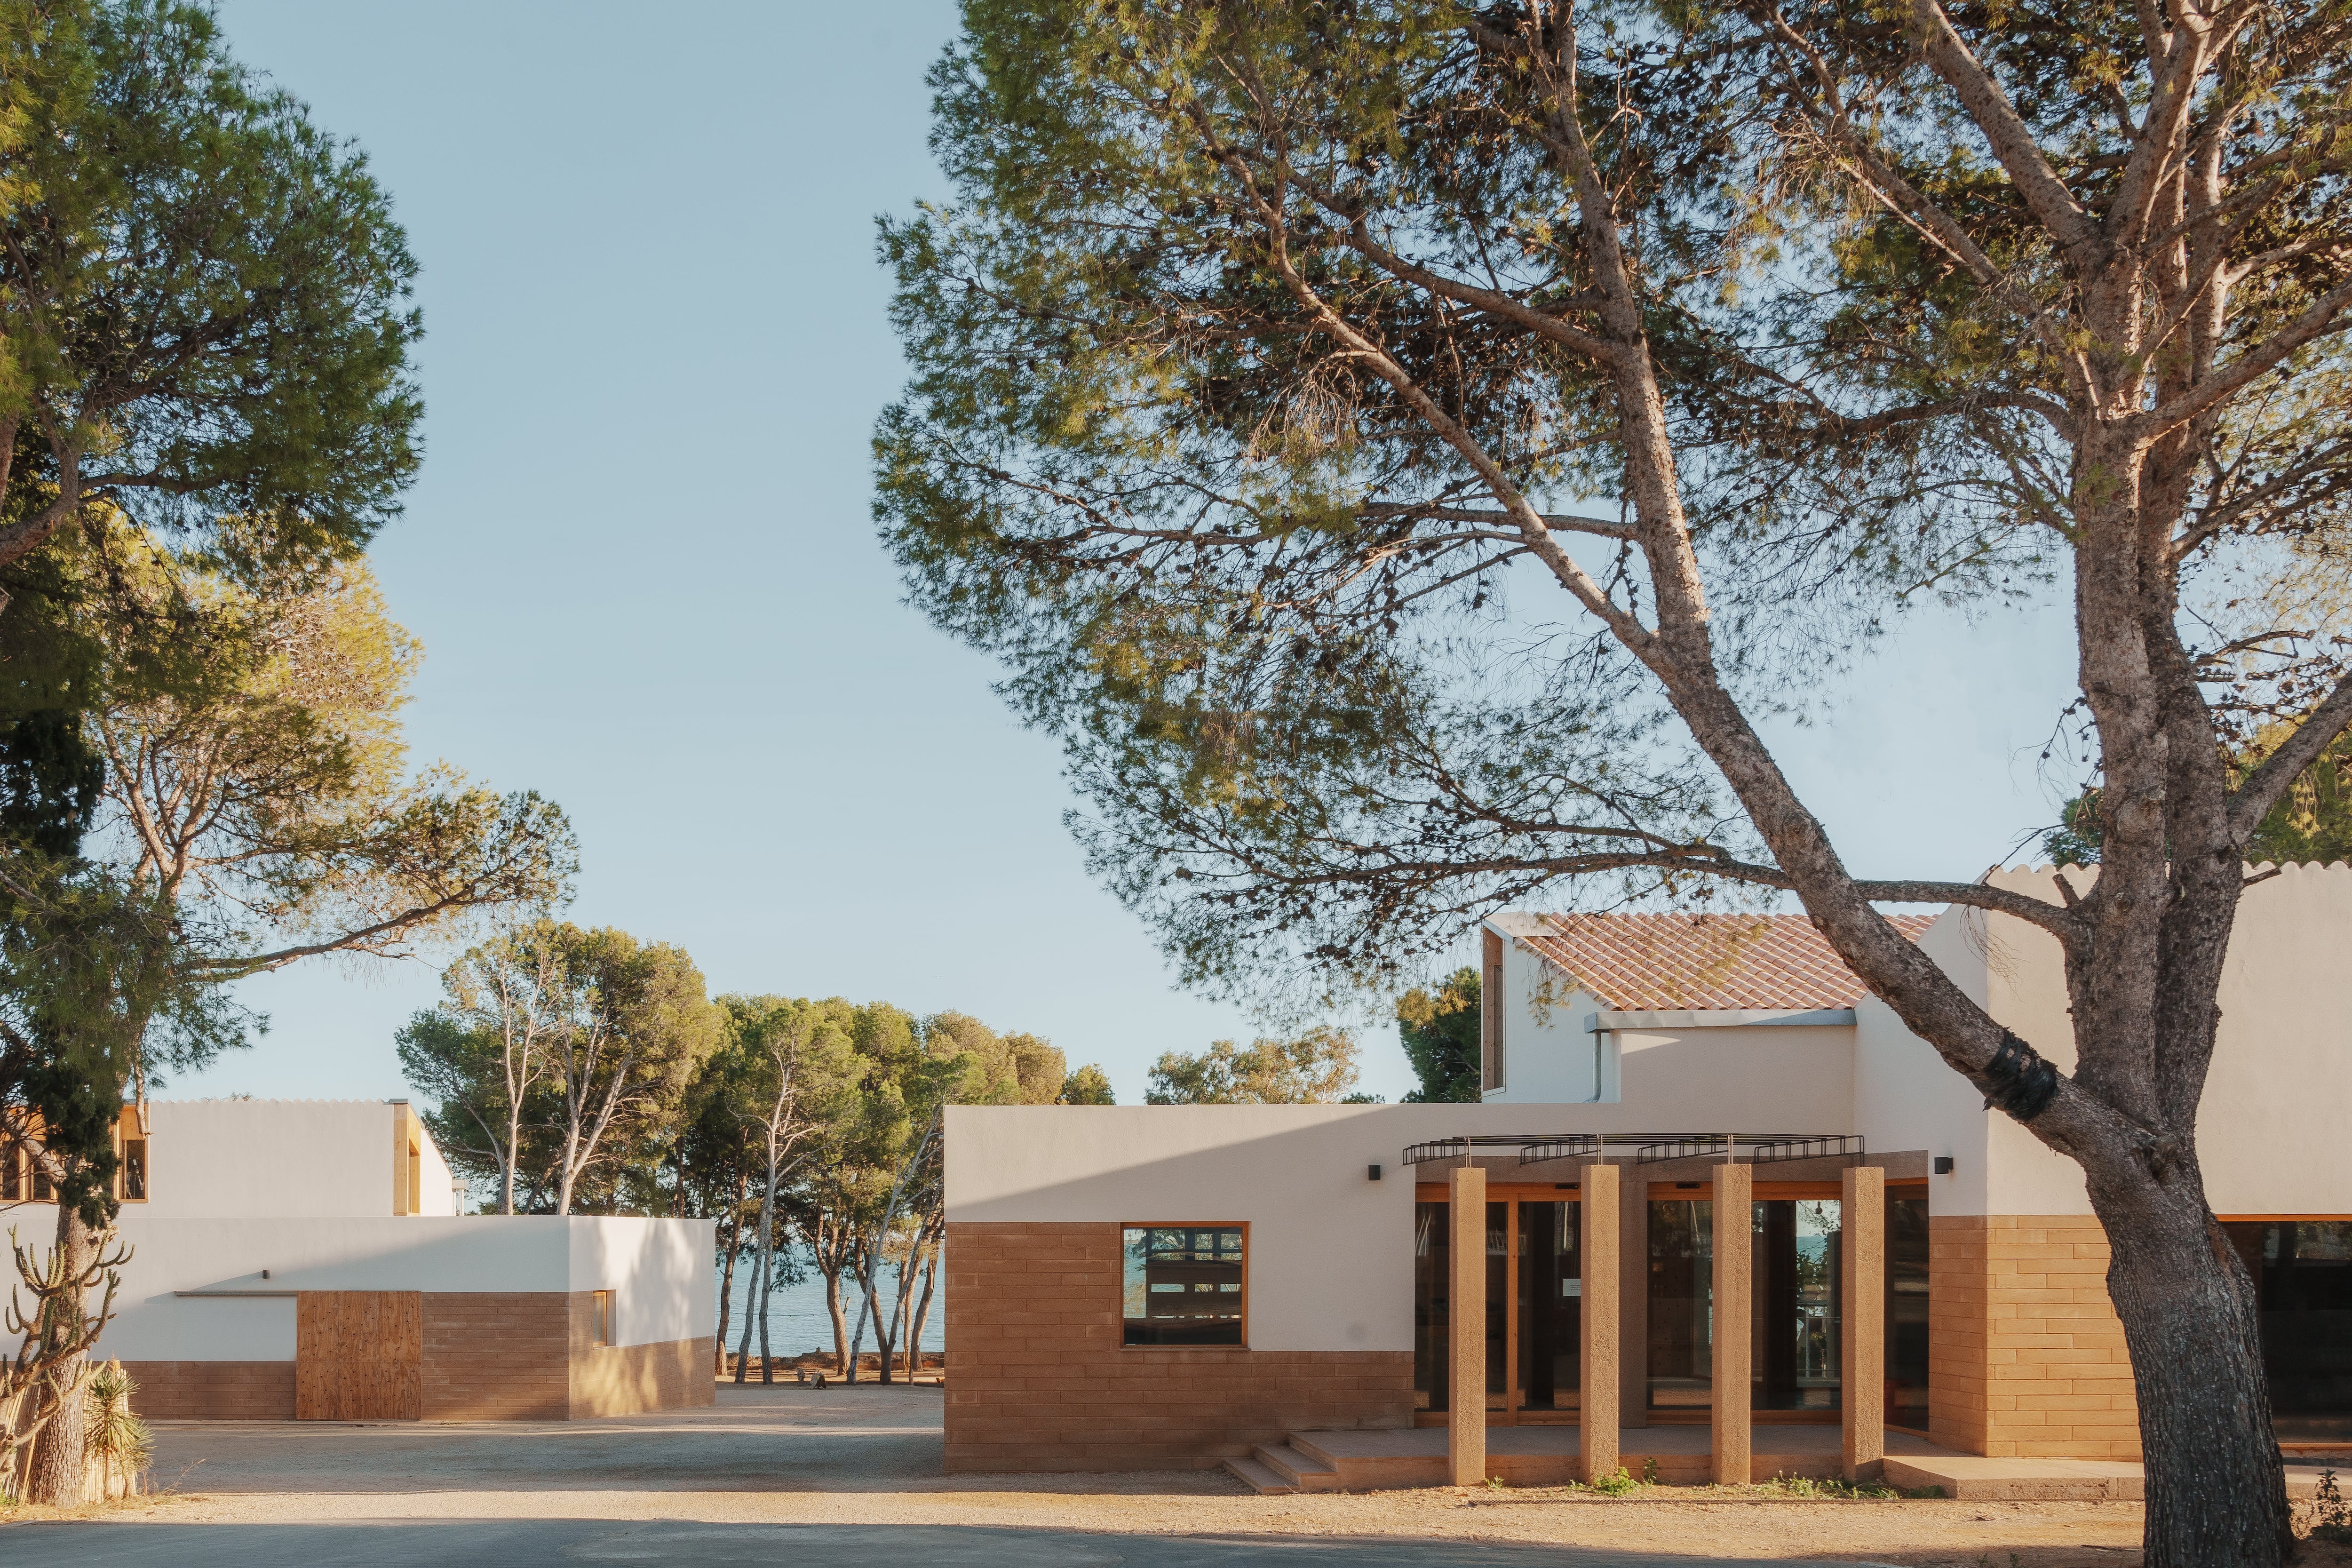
x: 641, y: 559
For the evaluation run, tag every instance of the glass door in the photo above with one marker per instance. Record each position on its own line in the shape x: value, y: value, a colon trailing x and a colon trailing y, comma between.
x: 1534, y: 1297
x: 1794, y: 1260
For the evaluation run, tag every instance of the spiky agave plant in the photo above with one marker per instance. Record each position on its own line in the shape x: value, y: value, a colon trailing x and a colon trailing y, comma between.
x: 118, y: 1439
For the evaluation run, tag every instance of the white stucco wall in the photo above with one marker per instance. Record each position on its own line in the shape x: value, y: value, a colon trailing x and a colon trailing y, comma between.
x: 658, y: 1269
x: 2270, y: 1130
x: 1330, y: 1251
x: 1548, y: 1057
x: 283, y: 1158
x: 436, y: 1191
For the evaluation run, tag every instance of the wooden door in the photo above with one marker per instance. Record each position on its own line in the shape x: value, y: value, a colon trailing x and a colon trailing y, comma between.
x: 359, y: 1355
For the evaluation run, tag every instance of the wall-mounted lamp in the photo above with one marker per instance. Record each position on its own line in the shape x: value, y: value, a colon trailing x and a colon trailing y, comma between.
x: 1943, y: 1164
x: 1372, y: 1172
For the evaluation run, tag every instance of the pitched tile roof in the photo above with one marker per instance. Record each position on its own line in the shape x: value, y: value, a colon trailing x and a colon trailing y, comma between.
x: 1641, y: 964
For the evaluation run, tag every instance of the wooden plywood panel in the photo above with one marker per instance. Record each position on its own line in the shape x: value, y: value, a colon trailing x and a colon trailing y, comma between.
x: 359, y: 1355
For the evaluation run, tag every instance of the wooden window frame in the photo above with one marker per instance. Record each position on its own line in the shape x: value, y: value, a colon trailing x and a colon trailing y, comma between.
x: 602, y: 1328
x: 1493, y: 1053
x: 1241, y: 1224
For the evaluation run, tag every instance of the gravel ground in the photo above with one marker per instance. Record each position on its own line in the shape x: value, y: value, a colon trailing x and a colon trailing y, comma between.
x: 845, y: 1478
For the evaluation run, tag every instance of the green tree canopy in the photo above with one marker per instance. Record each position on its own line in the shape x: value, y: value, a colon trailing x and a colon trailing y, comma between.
x: 205, y: 313
x: 1314, y: 1068
x: 1440, y: 1027
x: 1088, y: 1085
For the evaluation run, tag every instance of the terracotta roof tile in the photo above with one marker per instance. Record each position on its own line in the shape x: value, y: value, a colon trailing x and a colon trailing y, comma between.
x: 1640, y: 963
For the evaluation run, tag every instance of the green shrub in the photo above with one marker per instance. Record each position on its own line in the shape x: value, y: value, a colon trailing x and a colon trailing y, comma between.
x: 1618, y: 1483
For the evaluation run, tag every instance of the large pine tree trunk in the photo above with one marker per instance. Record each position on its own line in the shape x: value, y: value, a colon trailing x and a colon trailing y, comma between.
x: 2216, y: 1490
x: 59, y: 1471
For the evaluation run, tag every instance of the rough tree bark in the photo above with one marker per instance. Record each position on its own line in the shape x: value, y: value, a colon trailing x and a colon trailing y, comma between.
x: 58, y: 1474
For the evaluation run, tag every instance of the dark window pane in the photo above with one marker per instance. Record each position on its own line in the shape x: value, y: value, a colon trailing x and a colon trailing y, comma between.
x: 1551, y: 1288
x: 1183, y: 1285
x: 1794, y: 1317
x: 2303, y: 1281
x: 1907, y: 1311
x: 134, y: 1168
x: 1682, y: 1304
x: 1432, y: 1261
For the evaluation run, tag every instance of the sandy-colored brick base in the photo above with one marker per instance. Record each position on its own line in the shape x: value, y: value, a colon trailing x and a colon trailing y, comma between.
x: 212, y: 1390
x: 2026, y: 1356
x: 629, y: 1380
x: 508, y: 1355
x: 1037, y: 1379
x: 496, y: 1355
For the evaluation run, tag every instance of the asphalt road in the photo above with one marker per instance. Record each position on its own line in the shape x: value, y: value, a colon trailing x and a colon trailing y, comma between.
x: 564, y: 1543
x: 675, y: 1488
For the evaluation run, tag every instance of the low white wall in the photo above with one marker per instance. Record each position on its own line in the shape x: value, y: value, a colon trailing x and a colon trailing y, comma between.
x: 659, y: 1270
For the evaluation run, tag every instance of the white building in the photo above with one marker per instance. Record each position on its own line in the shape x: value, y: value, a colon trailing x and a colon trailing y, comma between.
x: 1156, y: 1286
x: 300, y: 1259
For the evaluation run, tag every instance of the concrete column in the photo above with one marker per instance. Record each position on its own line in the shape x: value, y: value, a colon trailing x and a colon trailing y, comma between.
x: 1598, y: 1235
x: 1735, y: 1189
x: 1862, y: 1338
x: 1465, y: 1315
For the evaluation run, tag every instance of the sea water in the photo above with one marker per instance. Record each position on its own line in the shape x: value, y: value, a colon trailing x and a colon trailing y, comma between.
x: 798, y: 1323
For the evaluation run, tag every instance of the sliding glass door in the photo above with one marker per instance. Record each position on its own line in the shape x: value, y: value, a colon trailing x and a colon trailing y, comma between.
x: 1534, y: 1292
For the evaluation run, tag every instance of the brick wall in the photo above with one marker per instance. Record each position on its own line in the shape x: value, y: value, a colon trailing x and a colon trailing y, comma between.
x: 2026, y: 1357
x: 1037, y: 1379
x: 496, y: 1355
x: 629, y: 1380
x: 212, y: 1390
x: 490, y: 1355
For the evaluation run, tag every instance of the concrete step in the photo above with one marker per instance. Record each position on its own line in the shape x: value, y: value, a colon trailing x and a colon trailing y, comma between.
x: 1303, y: 1472
x: 1259, y: 1478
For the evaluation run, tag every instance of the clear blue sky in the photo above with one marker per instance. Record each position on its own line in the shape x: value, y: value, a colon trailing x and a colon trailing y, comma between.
x: 641, y: 562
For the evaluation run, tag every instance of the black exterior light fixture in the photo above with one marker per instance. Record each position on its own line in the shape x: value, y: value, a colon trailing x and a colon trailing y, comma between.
x: 1372, y: 1172
x: 1943, y: 1164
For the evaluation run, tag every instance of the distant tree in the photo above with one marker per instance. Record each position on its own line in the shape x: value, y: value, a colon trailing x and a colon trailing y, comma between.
x: 634, y: 1028
x: 2312, y: 821
x: 1318, y: 1067
x: 1039, y: 1068
x: 1088, y: 1085
x: 204, y: 306
x: 1440, y: 1030
x: 479, y: 1056
x: 799, y: 1073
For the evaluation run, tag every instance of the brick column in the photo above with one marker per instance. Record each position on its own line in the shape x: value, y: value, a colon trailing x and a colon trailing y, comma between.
x: 1735, y: 1187
x: 1861, y: 1339
x: 1465, y: 1312
x: 1597, y: 1320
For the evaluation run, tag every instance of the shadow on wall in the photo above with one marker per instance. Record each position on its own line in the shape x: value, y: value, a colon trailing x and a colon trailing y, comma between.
x: 527, y: 1544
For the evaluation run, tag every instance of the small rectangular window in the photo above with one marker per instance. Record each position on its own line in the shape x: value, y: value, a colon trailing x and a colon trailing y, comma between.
x: 603, y: 1315
x: 1490, y: 1017
x: 42, y: 1192
x: 1185, y: 1284
x: 12, y: 1177
x: 134, y: 1170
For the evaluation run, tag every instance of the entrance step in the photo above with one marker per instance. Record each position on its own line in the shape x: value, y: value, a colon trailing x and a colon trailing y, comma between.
x: 1258, y: 1478
x: 1303, y: 1471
